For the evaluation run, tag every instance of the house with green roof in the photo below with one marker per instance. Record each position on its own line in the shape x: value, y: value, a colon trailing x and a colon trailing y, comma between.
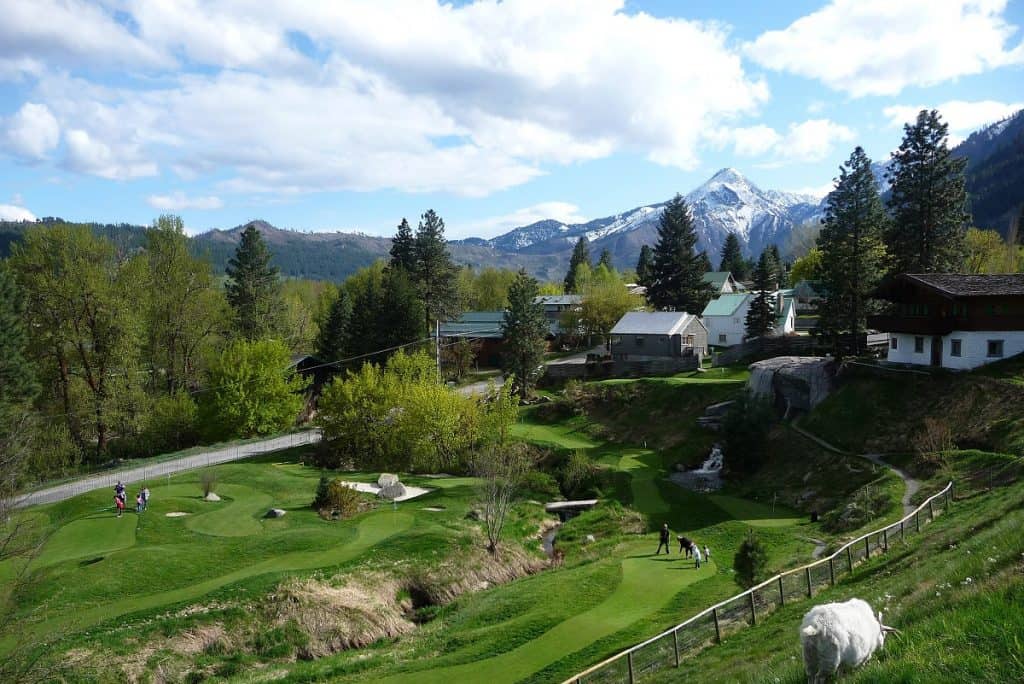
x: 722, y: 282
x: 726, y: 317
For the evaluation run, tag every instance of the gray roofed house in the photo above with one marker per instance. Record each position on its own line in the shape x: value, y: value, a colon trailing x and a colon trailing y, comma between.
x: 555, y: 307
x: 658, y: 334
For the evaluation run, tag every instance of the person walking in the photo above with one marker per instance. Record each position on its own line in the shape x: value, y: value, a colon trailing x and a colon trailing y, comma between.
x: 685, y: 545
x: 664, y: 537
x: 145, y: 498
x: 707, y: 553
x: 119, y: 498
x: 696, y: 556
x: 138, y: 502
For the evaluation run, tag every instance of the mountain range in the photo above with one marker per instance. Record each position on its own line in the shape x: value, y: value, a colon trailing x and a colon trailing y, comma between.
x: 726, y: 203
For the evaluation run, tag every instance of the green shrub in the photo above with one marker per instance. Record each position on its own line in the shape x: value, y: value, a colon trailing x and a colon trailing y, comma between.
x: 342, y: 500
x: 172, y: 424
x: 322, y: 493
x: 866, y: 504
x: 750, y: 562
x: 540, y: 485
x: 576, y: 473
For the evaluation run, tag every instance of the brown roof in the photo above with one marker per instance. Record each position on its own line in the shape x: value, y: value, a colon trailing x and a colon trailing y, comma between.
x: 970, y: 285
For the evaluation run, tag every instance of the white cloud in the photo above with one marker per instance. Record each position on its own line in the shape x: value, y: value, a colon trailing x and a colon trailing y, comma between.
x: 963, y: 117
x: 563, y: 212
x: 466, y: 99
x: 116, y: 161
x: 816, y: 191
x: 754, y: 140
x: 179, y: 201
x: 32, y: 132
x: 808, y: 141
x: 880, y: 47
x: 10, y: 212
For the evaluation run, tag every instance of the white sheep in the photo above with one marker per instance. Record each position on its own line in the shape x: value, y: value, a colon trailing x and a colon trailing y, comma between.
x: 835, y: 634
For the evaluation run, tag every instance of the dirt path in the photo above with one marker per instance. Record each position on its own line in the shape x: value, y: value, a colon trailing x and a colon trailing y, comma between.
x: 164, y: 468
x: 911, y: 485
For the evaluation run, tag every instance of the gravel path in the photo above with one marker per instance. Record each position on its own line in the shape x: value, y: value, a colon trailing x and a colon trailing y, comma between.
x: 145, y: 473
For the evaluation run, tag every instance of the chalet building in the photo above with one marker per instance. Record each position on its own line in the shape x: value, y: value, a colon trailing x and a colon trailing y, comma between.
x: 641, y: 335
x: 726, y: 317
x: 952, y: 320
x: 555, y: 307
x: 722, y: 282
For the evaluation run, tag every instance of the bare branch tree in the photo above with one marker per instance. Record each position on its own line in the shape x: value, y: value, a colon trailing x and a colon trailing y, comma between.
x: 501, y: 469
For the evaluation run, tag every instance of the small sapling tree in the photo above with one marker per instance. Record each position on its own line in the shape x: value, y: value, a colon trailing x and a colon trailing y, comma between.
x: 501, y: 469
x: 750, y: 561
x: 208, y: 482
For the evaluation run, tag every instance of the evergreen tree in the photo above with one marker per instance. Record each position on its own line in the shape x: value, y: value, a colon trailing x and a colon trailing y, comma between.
x: 366, y: 291
x: 253, y: 287
x: 333, y: 341
x: 17, y: 376
x: 435, y: 274
x: 400, y: 314
x: 403, y: 248
x: 524, y: 329
x: 606, y: 260
x: 780, y: 267
x: 677, y: 283
x: 851, y: 248
x: 732, y: 258
x: 645, y: 266
x: 705, y: 262
x: 580, y: 255
x: 750, y: 562
x: 928, y: 202
x: 761, y: 314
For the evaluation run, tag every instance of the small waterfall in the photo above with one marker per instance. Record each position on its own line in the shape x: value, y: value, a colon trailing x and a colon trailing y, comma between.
x: 760, y: 382
x: 706, y: 478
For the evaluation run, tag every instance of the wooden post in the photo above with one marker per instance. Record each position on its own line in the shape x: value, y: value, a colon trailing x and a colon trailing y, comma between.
x: 753, y: 612
x: 885, y: 540
x: 675, y: 644
x: 917, y: 520
x: 807, y: 572
x: 867, y: 548
x: 831, y: 572
x: 902, y: 534
x: 629, y: 661
x: 931, y: 509
x: 782, y: 593
x: 718, y: 630
x: 849, y: 557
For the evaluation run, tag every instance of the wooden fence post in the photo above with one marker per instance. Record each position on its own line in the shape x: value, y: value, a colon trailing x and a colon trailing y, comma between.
x: 867, y: 548
x: 849, y: 557
x: 753, y: 612
x: 629, y: 661
x: 718, y: 630
x: 917, y: 521
x: 885, y: 540
x: 831, y: 572
x: 675, y: 644
x: 782, y: 593
x: 807, y: 571
x: 931, y: 510
x: 902, y: 534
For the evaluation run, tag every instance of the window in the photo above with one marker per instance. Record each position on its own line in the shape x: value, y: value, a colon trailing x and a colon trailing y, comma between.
x: 688, y: 341
x: 995, y: 349
x: 955, y: 348
x: 893, y: 343
x: 919, y: 345
x: 639, y: 341
x: 723, y: 339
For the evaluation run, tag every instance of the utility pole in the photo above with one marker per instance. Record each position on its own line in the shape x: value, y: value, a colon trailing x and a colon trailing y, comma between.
x: 437, y: 348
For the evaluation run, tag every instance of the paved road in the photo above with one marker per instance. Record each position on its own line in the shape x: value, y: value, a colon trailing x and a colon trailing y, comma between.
x: 128, y: 475
x: 480, y: 387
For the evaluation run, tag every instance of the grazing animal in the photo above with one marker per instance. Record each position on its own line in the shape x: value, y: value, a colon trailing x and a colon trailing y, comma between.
x: 835, y: 634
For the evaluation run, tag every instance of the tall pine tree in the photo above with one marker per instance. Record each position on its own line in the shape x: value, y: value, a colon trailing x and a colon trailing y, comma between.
x: 524, y: 329
x: 732, y: 258
x: 333, y: 341
x: 580, y: 255
x: 253, y: 287
x: 761, y: 314
x: 852, y: 251
x: 705, y: 262
x: 606, y: 260
x: 435, y: 274
x: 928, y: 202
x: 677, y: 282
x: 403, y: 248
x: 645, y: 266
x: 780, y: 267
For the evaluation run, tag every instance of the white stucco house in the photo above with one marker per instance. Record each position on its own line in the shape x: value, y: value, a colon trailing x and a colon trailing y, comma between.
x: 950, y: 320
x: 726, y: 317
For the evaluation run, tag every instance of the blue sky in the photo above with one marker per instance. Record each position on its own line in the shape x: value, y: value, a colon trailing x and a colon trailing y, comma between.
x: 352, y: 114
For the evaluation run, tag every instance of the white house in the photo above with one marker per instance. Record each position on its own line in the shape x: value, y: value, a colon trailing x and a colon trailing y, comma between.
x: 953, y: 320
x: 726, y: 317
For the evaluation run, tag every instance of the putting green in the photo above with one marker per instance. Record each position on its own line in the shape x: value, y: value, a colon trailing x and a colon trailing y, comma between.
x: 371, y: 530
x: 238, y: 517
x: 89, y: 537
x: 753, y: 513
x: 552, y: 434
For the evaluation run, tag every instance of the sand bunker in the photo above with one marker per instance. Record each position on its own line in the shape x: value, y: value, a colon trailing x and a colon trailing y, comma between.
x: 176, y: 514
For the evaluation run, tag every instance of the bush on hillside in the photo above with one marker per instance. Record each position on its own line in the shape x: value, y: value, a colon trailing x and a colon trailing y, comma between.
x: 343, y: 501
x: 746, y: 427
x: 323, y: 493
x: 866, y: 504
x: 540, y: 485
x: 751, y: 561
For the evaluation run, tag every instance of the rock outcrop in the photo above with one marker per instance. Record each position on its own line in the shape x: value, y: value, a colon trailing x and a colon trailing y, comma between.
x: 793, y: 382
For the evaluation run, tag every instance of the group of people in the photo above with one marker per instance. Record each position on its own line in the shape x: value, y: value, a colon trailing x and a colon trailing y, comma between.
x: 120, y: 499
x: 690, y: 547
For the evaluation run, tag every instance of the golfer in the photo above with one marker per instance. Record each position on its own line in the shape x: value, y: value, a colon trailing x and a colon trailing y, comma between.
x: 664, y: 536
x: 696, y: 556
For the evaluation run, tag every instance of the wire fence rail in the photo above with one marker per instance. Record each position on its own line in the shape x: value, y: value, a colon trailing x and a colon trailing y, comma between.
x: 149, y: 473
x: 744, y: 609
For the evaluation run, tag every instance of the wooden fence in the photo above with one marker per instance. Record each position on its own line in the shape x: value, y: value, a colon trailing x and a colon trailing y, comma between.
x: 710, y: 625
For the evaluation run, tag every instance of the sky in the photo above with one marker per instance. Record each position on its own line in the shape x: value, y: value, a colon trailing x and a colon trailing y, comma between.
x: 352, y: 114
